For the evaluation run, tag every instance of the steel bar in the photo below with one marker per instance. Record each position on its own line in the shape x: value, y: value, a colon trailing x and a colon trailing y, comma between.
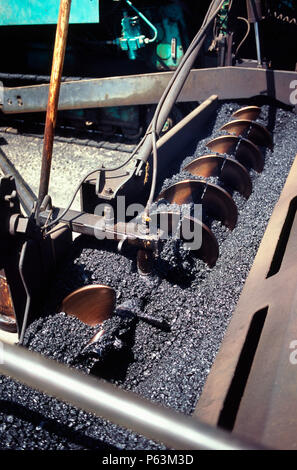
x: 33, y: 78
x: 226, y: 82
x: 26, y: 195
x: 257, y: 37
x: 91, y: 224
x: 53, y: 96
x: 180, y: 137
x: 104, y: 400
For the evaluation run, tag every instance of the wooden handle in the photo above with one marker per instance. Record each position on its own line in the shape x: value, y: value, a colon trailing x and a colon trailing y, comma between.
x: 53, y: 97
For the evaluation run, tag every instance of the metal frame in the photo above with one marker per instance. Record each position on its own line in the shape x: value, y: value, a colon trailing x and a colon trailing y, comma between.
x: 226, y: 82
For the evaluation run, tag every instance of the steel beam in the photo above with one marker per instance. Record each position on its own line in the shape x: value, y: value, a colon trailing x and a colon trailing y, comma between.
x: 226, y: 82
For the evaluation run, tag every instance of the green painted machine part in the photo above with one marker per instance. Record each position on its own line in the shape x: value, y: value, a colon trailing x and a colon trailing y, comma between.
x: 132, y: 37
x: 169, y: 35
x: 286, y: 3
x: 39, y: 12
x: 222, y: 19
x: 157, y: 36
x: 172, y: 37
x: 170, y: 51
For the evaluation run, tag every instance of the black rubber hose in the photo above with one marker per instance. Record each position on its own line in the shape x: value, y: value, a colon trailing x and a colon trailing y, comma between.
x: 170, y: 95
x: 176, y: 84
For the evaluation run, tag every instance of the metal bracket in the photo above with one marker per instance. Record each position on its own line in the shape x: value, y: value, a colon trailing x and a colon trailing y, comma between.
x: 28, y: 258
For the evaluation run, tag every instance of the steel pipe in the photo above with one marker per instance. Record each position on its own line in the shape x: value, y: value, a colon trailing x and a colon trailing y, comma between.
x: 106, y: 401
x: 258, y: 47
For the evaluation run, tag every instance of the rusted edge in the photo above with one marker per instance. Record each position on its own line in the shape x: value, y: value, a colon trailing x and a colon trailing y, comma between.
x: 253, y: 131
x: 215, y: 200
x: 245, y: 151
x: 248, y: 112
x: 230, y: 172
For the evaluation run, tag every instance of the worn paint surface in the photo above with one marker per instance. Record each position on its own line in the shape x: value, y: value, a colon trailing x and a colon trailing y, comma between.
x: 34, y: 12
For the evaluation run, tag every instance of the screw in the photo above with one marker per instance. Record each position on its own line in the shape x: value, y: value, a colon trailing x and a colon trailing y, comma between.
x: 108, y: 191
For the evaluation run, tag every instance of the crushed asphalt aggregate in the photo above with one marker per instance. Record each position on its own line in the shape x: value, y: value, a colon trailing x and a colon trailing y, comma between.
x: 165, y: 365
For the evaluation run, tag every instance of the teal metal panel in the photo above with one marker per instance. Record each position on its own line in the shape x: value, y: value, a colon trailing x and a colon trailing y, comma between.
x: 35, y: 12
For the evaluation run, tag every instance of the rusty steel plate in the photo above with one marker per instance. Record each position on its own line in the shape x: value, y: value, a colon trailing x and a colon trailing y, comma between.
x: 230, y: 172
x: 255, y: 132
x: 90, y: 304
x: 7, y: 316
x: 248, y: 112
x: 215, y: 200
x: 209, y: 249
x: 252, y: 386
x: 244, y: 150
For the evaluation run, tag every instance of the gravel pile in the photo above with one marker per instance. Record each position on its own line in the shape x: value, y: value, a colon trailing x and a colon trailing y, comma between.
x: 165, y: 365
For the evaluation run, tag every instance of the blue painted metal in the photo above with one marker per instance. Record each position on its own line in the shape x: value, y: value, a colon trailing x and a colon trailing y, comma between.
x: 286, y: 3
x: 38, y: 12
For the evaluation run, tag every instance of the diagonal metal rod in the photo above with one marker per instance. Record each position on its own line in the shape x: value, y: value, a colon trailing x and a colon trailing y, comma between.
x: 53, y: 97
x: 258, y: 47
x: 104, y: 400
x: 175, y: 85
x: 25, y: 193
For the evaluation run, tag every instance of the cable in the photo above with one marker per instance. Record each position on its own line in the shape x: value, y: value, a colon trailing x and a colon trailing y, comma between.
x: 154, y: 175
x: 196, y: 43
x: 188, y: 53
x: 246, y: 35
x: 28, y: 296
x: 195, y: 46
